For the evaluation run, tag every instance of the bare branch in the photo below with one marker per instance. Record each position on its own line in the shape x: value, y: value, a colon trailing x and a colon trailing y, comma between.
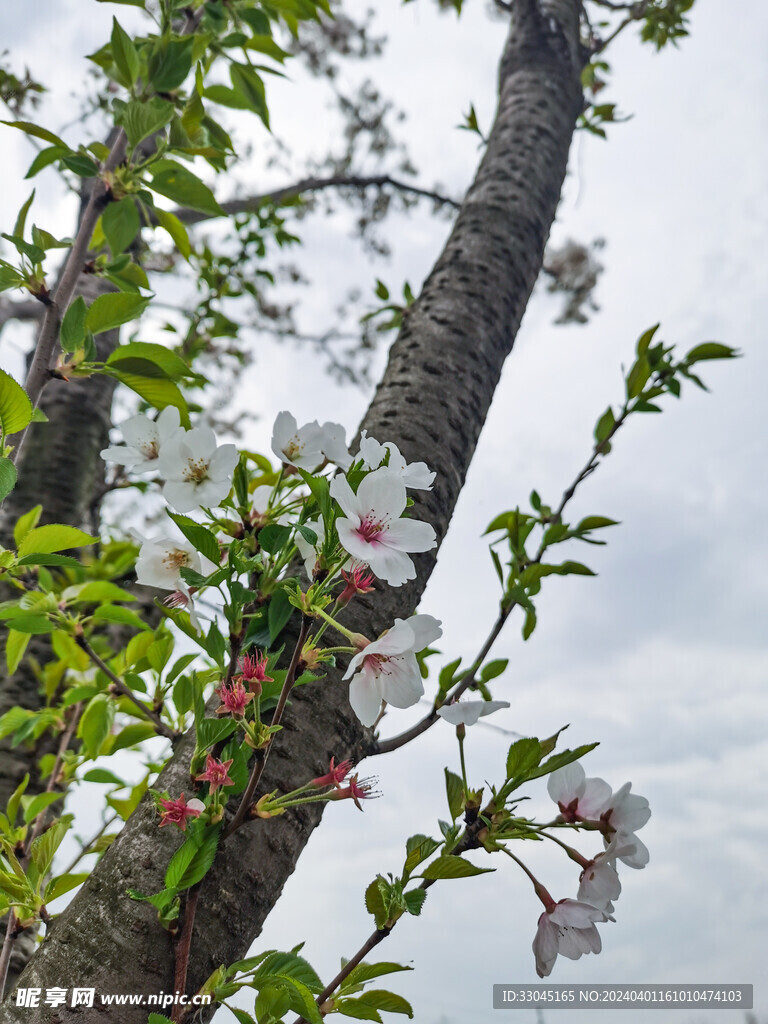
x: 279, y: 195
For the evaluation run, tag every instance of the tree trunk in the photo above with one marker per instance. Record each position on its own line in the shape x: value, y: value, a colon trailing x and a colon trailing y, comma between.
x: 432, y: 401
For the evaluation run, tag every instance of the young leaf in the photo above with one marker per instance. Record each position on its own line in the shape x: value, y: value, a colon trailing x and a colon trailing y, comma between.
x: 449, y: 866
x: 109, y: 311
x: 124, y: 53
x: 7, y: 478
x: 120, y: 224
x: 185, y: 188
x: 53, y: 537
x: 15, y: 406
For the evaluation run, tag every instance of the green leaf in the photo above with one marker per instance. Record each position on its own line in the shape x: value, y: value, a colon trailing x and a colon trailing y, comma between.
x: 109, y: 311
x: 124, y: 53
x: 595, y: 523
x: 170, y: 63
x: 213, y: 730
x: 493, y: 669
x: 122, y: 616
x: 357, y: 1010
x: 374, y: 902
x: 414, y: 901
x: 185, y: 188
x: 148, y: 359
x: 37, y: 131
x: 449, y: 866
x: 523, y: 756
x: 45, y: 158
x: 140, y: 120
x: 171, y: 223
x: 15, y: 646
x: 645, y: 339
x: 96, y: 723
x: 561, y: 759
x: 53, y: 537
x: 418, y: 848
x: 710, y: 350
x: 38, y: 804
x: 387, y: 1001
x: 50, y: 559
x: 158, y: 392
x: 605, y: 425
x: 120, y: 224
x: 102, y: 775
x: 367, y: 972
x: 21, y: 219
x: 132, y: 734
x: 192, y: 860
x: 64, y: 884
x: 72, y: 333
x: 248, y: 85
x: 7, y: 478
x: 290, y: 965
x: 455, y: 791
x: 638, y: 376
x: 279, y: 612
x: 15, y: 406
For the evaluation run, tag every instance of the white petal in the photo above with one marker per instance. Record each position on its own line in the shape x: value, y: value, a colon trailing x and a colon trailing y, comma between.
x: 371, y: 452
x: 389, y: 564
x: 334, y: 445
x: 180, y: 495
x: 566, y: 784
x: 365, y: 697
x: 223, y: 463
x: 409, y: 534
x: 342, y: 493
x: 168, y: 423
x: 418, y: 476
x: 383, y: 494
x: 400, y: 681
x: 122, y: 455
x: 426, y: 629
x: 352, y: 542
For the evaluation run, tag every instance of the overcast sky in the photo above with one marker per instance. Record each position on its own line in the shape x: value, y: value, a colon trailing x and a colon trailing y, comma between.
x: 662, y: 657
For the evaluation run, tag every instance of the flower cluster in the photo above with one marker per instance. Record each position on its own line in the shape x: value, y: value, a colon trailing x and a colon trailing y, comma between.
x: 569, y: 926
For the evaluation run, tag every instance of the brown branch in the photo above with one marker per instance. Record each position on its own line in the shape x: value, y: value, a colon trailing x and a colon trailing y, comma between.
x: 39, y: 370
x: 311, y: 184
x: 24, y: 309
x: 160, y: 727
x: 182, y: 948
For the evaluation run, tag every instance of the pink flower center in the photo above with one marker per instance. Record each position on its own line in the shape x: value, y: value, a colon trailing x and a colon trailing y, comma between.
x: 370, y: 528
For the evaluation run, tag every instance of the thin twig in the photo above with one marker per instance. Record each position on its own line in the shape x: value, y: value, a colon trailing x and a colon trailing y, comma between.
x: 86, y: 846
x: 312, y: 184
x: 39, y: 370
x: 182, y: 948
x: 160, y: 726
x: 263, y: 752
x: 468, y: 679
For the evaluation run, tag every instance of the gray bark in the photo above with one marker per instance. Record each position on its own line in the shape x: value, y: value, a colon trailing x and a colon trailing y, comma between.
x: 432, y: 402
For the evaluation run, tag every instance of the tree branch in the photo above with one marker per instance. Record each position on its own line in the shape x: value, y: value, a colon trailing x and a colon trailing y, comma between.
x: 313, y: 184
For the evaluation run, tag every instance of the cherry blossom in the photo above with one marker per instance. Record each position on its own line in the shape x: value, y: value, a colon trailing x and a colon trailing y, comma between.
x: 372, y: 530
x: 567, y: 927
x: 144, y: 439
x: 216, y: 773
x: 579, y: 798
x: 467, y: 712
x: 599, y: 883
x: 197, y: 471
x: 310, y: 445
x: 160, y: 561
x: 176, y: 812
x: 622, y: 814
x: 358, y: 581
x: 356, y: 789
x: 253, y: 670
x: 416, y: 475
x: 336, y: 774
x: 234, y: 699
x: 182, y: 598
x: 387, y: 670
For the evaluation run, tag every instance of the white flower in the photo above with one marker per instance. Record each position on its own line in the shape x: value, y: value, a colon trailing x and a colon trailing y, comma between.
x: 626, y: 812
x: 334, y: 445
x: 161, y: 559
x: 415, y: 474
x: 373, y: 531
x: 260, y: 499
x: 197, y: 472
x: 309, y: 551
x: 308, y: 446
x: 467, y: 712
x: 387, y: 668
x: 144, y: 439
x: 567, y: 928
x: 599, y: 884
x: 577, y: 796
